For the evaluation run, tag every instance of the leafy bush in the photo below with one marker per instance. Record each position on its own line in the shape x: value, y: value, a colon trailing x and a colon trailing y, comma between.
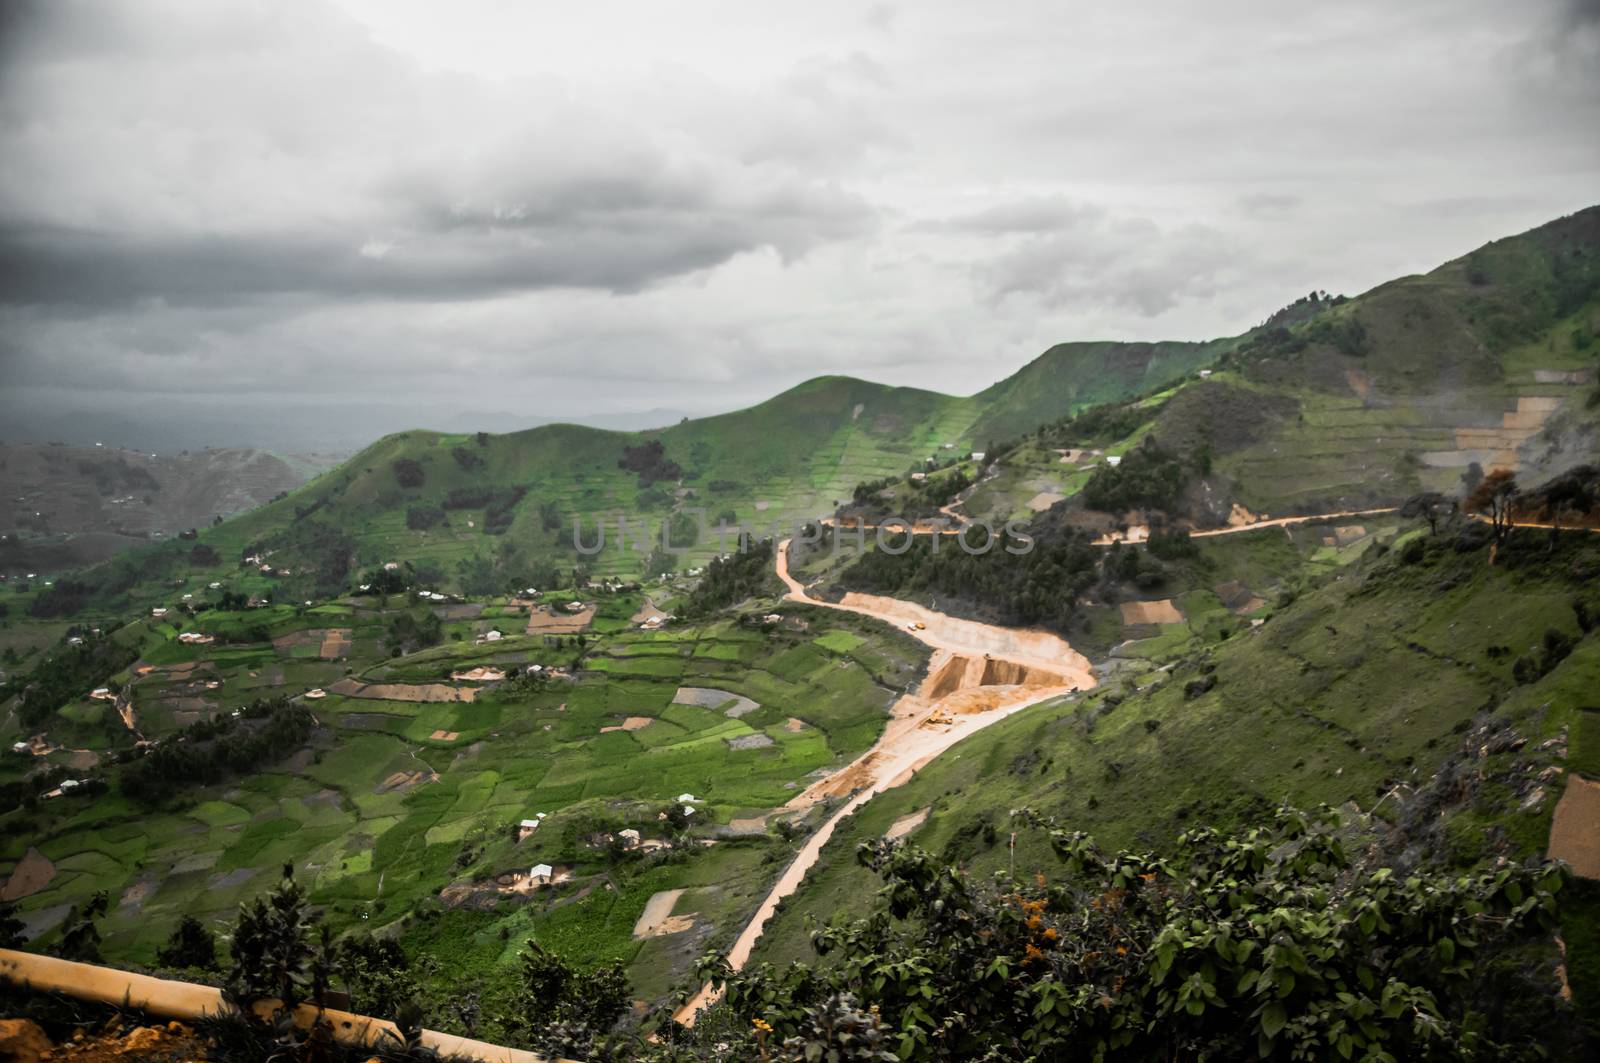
x: 1278, y: 942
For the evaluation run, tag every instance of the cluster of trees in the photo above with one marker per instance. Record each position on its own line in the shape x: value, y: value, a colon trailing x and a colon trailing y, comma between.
x: 67, y: 597
x: 745, y: 573
x: 425, y: 517
x: 1029, y: 586
x: 499, y: 504
x: 1099, y: 425
x: 411, y: 631
x: 1149, y: 477
x: 649, y: 459
x: 468, y: 460
x: 212, y: 750
x: 66, y: 674
x: 408, y: 472
x: 913, y: 498
x: 325, y: 552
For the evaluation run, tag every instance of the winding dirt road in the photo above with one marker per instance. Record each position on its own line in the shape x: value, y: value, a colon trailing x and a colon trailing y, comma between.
x: 979, y: 674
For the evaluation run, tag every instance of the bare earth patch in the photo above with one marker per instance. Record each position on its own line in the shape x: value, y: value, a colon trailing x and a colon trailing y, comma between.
x: 445, y: 736
x: 1575, y: 830
x: 711, y: 698
x: 1157, y: 612
x: 794, y: 725
x: 906, y: 824
x: 1044, y: 500
x: 402, y: 781
x: 657, y: 921
x: 632, y: 723
x: 544, y: 622
x: 404, y: 691
x: 32, y: 874
x: 754, y: 741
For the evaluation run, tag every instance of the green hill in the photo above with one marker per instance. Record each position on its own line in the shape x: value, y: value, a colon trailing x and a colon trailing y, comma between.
x: 1488, y: 360
x: 1421, y: 384
x: 1418, y: 683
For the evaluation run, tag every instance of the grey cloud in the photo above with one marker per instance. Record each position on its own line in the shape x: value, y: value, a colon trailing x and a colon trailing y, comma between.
x: 1035, y: 215
x: 1128, y: 265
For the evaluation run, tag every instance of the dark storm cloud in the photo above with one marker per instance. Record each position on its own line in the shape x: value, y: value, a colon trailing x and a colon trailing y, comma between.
x: 326, y: 168
x: 623, y: 246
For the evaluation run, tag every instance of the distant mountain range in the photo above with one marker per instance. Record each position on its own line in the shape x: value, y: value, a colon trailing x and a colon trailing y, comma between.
x: 63, y: 506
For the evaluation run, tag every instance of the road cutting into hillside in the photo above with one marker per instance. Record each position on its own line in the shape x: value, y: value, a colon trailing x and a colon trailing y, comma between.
x: 979, y: 674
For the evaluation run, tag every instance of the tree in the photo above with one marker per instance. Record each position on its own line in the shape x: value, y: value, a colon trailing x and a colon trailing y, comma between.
x: 1495, y: 497
x: 271, y: 946
x: 557, y: 1002
x: 1574, y: 493
x: 1430, y: 506
x: 191, y: 945
x: 11, y: 927
x: 80, y: 937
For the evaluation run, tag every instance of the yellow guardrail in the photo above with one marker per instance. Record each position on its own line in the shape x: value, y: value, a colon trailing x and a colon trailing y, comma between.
x: 190, y: 1002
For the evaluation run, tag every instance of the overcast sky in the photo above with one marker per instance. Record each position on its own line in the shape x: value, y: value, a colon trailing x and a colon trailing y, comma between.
x: 376, y: 214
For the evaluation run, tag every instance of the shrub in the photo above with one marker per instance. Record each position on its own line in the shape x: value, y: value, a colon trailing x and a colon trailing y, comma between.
x: 408, y: 473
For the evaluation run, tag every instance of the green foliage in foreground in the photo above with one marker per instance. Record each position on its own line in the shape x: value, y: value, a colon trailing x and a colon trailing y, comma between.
x: 1281, y: 942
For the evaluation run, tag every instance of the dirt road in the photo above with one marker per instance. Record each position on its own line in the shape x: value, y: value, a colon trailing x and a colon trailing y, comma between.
x: 980, y: 674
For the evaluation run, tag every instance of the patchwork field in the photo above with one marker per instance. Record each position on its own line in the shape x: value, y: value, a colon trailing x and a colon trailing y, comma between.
x: 413, y: 783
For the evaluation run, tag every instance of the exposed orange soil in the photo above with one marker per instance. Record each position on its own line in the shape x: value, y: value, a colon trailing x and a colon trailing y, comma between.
x: 906, y: 824
x: 1575, y: 830
x: 32, y: 874
x: 1001, y: 671
x: 1158, y: 612
x: 543, y: 621
x: 353, y: 688
x: 632, y: 723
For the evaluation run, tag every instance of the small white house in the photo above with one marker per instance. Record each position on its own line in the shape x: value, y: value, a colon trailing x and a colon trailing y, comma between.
x: 686, y: 799
x: 390, y: 566
x: 492, y: 636
x: 21, y: 747
x: 159, y: 611
x: 978, y: 455
x: 215, y: 586
x: 919, y: 476
x: 1113, y: 460
x: 629, y: 838
x: 316, y: 694
x: 1205, y: 374
x: 540, y: 874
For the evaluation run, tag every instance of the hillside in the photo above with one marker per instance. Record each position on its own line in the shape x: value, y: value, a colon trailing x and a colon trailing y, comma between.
x: 1422, y: 384
x: 1414, y: 682
x: 62, y: 507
